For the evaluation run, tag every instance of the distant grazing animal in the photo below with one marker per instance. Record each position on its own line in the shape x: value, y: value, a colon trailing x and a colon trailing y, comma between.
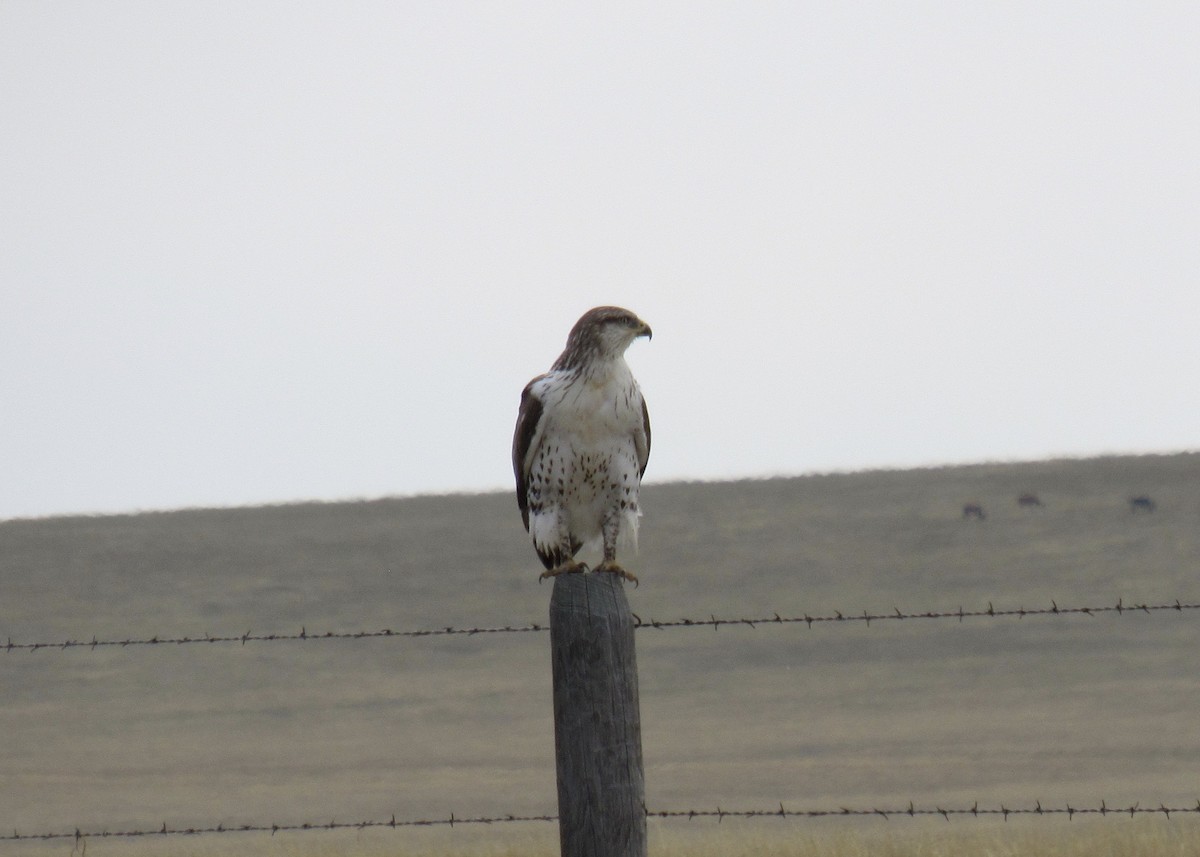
x: 1029, y: 499
x: 581, y: 446
x: 1141, y: 503
x: 973, y: 510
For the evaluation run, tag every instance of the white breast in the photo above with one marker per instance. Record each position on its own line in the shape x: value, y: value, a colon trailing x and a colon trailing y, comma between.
x: 594, y: 410
x: 588, y: 439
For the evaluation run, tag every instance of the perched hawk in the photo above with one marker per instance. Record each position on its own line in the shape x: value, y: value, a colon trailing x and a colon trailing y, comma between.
x: 581, y: 445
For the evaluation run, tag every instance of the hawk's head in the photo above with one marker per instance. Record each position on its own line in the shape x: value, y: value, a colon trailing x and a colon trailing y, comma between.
x: 602, y: 333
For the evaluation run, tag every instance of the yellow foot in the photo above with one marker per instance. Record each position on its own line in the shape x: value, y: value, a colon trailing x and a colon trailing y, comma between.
x: 568, y: 567
x: 610, y: 567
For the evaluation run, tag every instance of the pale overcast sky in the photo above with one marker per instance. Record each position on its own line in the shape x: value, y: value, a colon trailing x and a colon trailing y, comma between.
x: 272, y: 251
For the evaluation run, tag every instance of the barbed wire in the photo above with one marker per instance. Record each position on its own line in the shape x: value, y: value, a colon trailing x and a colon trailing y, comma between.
x: 273, y: 828
x: 712, y: 621
x: 249, y: 637
x: 911, y: 811
x: 960, y: 614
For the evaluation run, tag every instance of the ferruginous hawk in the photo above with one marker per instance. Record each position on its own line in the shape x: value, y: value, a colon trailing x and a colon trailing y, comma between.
x: 581, y: 446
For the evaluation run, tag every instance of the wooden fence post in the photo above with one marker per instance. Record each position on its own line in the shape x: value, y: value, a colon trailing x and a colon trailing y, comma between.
x: 597, y: 724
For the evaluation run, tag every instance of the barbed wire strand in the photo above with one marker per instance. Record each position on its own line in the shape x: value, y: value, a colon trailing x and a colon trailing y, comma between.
x: 911, y: 811
x: 960, y: 614
x: 712, y: 621
x: 273, y: 828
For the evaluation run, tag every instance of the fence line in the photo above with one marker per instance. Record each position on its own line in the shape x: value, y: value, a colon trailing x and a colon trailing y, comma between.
x: 911, y: 811
x: 712, y: 621
x: 80, y: 837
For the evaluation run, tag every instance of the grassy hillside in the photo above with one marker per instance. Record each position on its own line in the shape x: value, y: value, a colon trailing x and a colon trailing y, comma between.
x: 1010, y: 711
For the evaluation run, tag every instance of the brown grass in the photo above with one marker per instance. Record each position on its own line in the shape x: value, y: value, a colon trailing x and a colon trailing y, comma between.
x: 1113, y: 837
x: 1068, y: 709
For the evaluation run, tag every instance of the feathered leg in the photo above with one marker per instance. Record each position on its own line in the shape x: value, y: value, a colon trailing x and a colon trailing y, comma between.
x: 554, y: 545
x: 611, y: 530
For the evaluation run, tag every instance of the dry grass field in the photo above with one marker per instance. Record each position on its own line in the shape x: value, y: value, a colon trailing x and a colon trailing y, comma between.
x: 1142, y: 838
x: 1009, y: 711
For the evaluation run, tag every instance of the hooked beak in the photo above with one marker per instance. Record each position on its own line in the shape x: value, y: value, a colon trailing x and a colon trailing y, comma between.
x: 645, y: 331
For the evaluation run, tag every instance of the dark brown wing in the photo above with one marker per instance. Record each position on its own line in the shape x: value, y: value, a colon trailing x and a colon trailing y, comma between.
x: 644, y: 451
x: 528, y: 417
